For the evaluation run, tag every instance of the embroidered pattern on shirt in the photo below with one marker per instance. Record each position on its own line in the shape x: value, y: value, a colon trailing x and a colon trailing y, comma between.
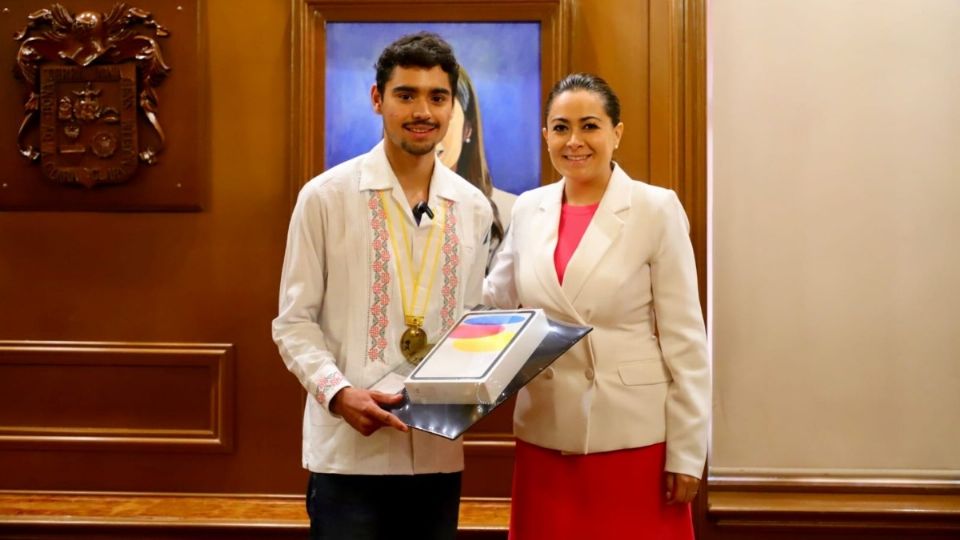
x: 380, y: 285
x: 451, y: 261
x: 327, y: 383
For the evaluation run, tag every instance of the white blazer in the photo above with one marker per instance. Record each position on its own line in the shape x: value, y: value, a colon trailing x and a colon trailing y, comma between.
x: 632, y: 278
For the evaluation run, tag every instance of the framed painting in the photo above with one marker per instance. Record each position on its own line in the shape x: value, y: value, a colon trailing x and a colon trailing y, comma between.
x: 510, y: 54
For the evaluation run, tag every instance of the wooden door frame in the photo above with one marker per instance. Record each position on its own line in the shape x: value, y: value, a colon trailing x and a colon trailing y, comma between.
x: 686, y: 147
x: 678, y: 141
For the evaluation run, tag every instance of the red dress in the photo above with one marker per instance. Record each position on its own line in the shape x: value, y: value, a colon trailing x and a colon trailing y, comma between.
x: 608, y: 495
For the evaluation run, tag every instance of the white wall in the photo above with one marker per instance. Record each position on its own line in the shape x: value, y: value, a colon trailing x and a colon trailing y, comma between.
x: 836, y: 236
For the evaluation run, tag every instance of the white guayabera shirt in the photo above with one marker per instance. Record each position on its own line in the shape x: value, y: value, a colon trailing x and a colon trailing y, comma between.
x: 341, y: 310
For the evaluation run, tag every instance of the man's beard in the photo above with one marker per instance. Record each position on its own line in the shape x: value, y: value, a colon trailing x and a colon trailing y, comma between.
x: 417, y: 149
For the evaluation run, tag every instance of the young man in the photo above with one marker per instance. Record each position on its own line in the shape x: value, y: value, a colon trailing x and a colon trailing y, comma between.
x: 369, y: 281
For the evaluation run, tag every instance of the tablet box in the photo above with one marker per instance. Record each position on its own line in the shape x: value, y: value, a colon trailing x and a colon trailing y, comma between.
x: 478, y: 357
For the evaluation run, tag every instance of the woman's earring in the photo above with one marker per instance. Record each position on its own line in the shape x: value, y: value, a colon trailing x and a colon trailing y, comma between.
x: 467, y: 140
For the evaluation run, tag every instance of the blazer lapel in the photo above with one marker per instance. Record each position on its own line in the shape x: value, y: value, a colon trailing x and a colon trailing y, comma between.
x: 603, y: 230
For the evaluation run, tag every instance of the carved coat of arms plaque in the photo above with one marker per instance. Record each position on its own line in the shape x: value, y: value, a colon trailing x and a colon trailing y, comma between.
x: 88, y: 124
x: 91, y: 78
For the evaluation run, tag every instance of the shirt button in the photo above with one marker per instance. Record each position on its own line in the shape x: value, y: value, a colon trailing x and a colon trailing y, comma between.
x: 588, y: 374
x: 548, y: 373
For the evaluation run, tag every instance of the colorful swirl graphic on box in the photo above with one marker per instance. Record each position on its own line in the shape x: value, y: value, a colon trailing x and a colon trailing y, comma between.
x: 485, y: 333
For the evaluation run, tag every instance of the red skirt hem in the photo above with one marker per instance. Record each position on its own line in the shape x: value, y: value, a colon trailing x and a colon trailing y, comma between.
x: 609, y: 495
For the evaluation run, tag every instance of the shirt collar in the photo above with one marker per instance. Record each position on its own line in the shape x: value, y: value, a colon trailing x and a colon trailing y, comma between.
x: 376, y: 174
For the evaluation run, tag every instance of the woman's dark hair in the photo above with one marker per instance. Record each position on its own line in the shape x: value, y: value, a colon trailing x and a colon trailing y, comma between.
x: 472, y: 163
x: 590, y: 83
x: 424, y: 50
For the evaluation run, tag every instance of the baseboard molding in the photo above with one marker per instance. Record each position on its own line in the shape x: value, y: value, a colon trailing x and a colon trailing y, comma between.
x: 790, y: 481
x: 103, y: 515
x: 804, y: 502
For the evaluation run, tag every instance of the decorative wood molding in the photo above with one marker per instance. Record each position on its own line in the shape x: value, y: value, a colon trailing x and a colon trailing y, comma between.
x: 666, y: 93
x: 835, y: 483
x: 863, y: 511
x: 92, y: 380
x: 492, y: 443
x: 693, y: 190
x: 852, y: 502
x: 678, y: 79
x: 207, y: 512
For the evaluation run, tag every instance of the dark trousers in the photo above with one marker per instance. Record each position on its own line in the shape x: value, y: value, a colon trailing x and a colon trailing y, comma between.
x: 373, y: 507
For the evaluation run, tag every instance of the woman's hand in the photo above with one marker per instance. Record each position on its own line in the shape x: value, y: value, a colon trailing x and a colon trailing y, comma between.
x: 681, y: 488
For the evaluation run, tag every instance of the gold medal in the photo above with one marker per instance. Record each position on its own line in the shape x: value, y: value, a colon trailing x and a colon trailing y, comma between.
x: 413, y: 344
x: 413, y: 341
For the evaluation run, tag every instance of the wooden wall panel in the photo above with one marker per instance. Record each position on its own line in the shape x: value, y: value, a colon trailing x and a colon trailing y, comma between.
x: 489, y: 464
x: 56, y: 395
x: 203, y: 277
x: 612, y: 40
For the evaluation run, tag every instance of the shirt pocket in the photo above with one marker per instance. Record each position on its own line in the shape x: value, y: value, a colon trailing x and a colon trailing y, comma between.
x: 643, y: 372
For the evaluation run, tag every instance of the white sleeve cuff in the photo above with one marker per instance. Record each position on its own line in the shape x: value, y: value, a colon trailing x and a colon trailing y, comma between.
x: 327, y: 386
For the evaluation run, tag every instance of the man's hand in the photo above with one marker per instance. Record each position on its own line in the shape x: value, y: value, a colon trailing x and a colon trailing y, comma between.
x: 361, y: 409
x: 681, y: 488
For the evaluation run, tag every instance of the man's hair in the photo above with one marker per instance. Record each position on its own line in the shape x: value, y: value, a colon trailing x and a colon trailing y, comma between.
x: 423, y: 50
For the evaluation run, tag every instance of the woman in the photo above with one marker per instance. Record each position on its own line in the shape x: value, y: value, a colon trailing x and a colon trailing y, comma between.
x: 462, y: 151
x: 612, y: 437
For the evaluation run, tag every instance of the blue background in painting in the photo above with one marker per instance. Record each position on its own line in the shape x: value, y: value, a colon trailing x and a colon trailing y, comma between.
x: 503, y: 61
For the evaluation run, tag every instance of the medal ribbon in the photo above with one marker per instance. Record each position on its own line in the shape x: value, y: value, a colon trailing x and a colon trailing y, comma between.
x: 409, y: 313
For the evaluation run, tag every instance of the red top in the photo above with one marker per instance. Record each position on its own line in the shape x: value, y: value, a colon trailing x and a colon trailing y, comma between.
x: 573, y: 222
